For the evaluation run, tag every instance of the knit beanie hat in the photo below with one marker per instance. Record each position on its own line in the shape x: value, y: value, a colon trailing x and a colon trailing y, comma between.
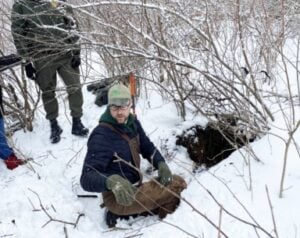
x: 119, y: 95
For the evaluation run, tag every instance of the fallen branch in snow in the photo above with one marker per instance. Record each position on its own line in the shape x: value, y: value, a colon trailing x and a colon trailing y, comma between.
x: 272, y: 212
x: 77, y: 220
x: 220, y: 222
x: 7, y: 235
x: 54, y: 219
x: 66, y: 232
x: 255, y: 225
x: 287, y: 145
x: 137, y: 235
x: 75, y: 156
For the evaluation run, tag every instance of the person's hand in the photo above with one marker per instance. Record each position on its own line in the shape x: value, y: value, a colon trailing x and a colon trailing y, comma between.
x: 75, y: 61
x: 30, y: 71
x: 164, y: 174
x: 13, y: 162
x: 123, y: 190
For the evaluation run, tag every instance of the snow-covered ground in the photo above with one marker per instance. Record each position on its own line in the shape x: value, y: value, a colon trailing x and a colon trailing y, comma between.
x: 40, y: 199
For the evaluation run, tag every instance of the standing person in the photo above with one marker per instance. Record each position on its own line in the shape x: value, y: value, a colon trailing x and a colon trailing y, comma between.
x: 6, y: 152
x: 45, y: 34
x: 112, y: 164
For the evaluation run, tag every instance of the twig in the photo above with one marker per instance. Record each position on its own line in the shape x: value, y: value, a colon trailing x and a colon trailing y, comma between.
x: 50, y: 217
x: 287, y: 145
x: 66, y: 232
x: 77, y: 220
x: 53, y: 207
x: 220, y: 221
x: 33, y: 208
x: 75, y: 155
x: 137, y: 235
x: 272, y: 211
x: 255, y: 225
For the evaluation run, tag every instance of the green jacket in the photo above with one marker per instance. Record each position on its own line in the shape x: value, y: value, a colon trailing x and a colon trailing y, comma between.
x: 38, y: 28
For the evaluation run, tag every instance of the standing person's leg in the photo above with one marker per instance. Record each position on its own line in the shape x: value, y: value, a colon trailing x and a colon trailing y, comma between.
x: 71, y: 78
x: 46, y: 79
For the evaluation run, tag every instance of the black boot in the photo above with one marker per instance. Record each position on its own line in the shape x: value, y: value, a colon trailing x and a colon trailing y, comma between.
x: 111, y: 218
x: 55, y: 131
x: 78, y: 128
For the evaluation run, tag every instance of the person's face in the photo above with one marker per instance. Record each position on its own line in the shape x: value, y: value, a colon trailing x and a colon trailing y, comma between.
x: 120, y: 113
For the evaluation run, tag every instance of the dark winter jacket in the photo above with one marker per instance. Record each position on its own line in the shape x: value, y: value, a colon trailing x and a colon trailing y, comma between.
x: 103, y: 143
x: 1, y: 103
x: 38, y: 28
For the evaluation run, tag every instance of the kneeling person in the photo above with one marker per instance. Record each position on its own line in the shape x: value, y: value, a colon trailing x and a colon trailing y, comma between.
x: 112, y: 164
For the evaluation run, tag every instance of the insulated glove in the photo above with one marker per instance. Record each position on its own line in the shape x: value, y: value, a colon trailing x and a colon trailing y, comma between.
x: 164, y: 174
x: 75, y: 61
x: 122, y: 189
x: 30, y: 71
x: 13, y: 162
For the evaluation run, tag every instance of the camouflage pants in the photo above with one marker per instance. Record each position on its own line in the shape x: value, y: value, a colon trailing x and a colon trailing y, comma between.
x: 150, y: 197
x: 46, y: 78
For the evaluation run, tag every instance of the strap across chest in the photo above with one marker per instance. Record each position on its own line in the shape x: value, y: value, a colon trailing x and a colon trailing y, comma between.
x: 134, y: 145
